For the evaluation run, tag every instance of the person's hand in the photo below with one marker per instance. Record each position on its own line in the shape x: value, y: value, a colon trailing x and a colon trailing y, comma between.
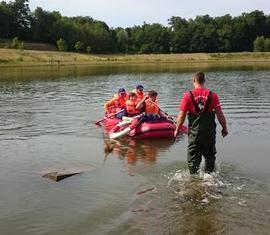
x: 224, y: 132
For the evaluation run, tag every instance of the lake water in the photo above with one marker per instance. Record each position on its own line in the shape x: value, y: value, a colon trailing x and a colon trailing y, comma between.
x: 142, y: 187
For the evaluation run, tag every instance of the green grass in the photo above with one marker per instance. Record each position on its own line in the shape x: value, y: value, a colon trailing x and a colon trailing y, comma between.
x: 11, y: 57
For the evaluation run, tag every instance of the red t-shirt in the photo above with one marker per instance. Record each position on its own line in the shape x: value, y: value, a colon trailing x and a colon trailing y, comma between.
x: 200, y: 95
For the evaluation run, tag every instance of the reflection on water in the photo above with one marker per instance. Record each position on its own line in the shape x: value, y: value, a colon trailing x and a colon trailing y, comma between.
x: 133, y: 151
x: 138, y: 149
x: 138, y: 186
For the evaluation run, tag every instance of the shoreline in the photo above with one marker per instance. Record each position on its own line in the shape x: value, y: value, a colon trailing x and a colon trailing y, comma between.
x: 29, y: 58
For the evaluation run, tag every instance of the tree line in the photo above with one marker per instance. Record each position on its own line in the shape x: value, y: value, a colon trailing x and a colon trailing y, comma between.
x: 248, y: 32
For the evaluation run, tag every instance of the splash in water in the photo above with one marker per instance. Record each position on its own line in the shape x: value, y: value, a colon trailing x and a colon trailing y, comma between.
x: 200, y: 188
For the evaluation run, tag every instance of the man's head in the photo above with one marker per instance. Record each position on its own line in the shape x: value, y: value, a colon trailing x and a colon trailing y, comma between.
x: 139, y: 89
x: 152, y: 95
x: 122, y: 92
x: 132, y: 96
x: 198, y: 78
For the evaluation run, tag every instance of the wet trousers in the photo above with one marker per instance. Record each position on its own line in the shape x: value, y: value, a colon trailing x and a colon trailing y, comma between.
x: 195, y: 153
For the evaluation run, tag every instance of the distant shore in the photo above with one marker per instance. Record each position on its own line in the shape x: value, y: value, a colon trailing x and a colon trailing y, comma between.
x: 26, y: 58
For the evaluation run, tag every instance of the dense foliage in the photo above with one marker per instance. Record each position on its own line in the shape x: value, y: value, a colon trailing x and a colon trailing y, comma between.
x: 262, y: 44
x: 202, y: 34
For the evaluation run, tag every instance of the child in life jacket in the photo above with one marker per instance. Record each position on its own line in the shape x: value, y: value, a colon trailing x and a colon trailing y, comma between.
x: 150, y: 106
x: 150, y: 110
x: 131, y: 105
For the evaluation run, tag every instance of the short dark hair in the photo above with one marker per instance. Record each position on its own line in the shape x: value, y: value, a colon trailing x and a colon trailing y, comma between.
x: 152, y: 93
x: 199, y: 77
x: 121, y: 90
x: 131, y: 94
x: 139, y: 87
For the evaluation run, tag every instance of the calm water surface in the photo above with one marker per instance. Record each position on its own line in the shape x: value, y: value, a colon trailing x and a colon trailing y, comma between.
x: 142, y: 187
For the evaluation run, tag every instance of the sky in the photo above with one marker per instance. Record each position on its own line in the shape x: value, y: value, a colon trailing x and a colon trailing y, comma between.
x: 127, y: 13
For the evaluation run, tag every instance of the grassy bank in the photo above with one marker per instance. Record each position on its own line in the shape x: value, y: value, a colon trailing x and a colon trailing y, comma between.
x: 11, y: 57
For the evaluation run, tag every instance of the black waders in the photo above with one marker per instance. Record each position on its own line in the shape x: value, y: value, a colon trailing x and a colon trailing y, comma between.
x: 201, y: 137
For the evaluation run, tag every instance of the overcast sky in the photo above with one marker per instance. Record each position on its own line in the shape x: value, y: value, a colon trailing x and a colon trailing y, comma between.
x: 125, y: 13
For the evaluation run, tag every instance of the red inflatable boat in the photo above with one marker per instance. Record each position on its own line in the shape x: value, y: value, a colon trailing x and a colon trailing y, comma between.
x: 149, y: 129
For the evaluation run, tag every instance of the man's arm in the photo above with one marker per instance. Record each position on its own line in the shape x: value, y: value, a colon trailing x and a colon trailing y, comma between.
x: 140, y: 104
x: 180, y: 120
x: 222, y: 121
x: 108, y: 104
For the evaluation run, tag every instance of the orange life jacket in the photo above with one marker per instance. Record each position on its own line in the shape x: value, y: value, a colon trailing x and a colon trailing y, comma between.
x: 131, y: 107
x: 139, y: 96
x: 119, y: 101
x: 151, y: 107
x: 115, y: 104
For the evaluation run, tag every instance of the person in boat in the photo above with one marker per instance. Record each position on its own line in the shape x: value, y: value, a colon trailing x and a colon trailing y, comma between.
x: 201, y: 105
x: 131, y: 105
x: 150, y: 112
x: 139, y: 92
x: 117, y: 103
x: 149, y: 105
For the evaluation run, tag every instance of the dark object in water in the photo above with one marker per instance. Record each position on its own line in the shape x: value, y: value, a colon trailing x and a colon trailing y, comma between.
x: 108, y: 147
x: 57, y: 176
x: 145, y: 191
x: 62, y: 173
x: 138, y: 210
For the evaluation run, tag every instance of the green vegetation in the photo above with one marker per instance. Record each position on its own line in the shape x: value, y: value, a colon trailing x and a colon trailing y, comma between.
x: 79, y: 46
x: 84, y: 34
x: 262, y: 44
x: 12, y: 57
x: 88, y: 49
x: 16, y: 44
x: 61, y: 45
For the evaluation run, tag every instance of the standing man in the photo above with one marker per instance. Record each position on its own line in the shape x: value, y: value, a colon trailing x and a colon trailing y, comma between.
x: 201, y: 105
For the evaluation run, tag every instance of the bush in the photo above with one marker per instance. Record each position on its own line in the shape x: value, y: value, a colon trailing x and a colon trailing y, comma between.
x: 78, y: 46
x: 88, y: 49
x: 261, y: 44
x: 61, y: 44
x: 16, y: 44
x: 267, y: 44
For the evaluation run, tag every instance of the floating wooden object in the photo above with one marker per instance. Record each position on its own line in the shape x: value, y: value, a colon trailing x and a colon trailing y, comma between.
x: 60, y: 174
x: 57, y: 176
